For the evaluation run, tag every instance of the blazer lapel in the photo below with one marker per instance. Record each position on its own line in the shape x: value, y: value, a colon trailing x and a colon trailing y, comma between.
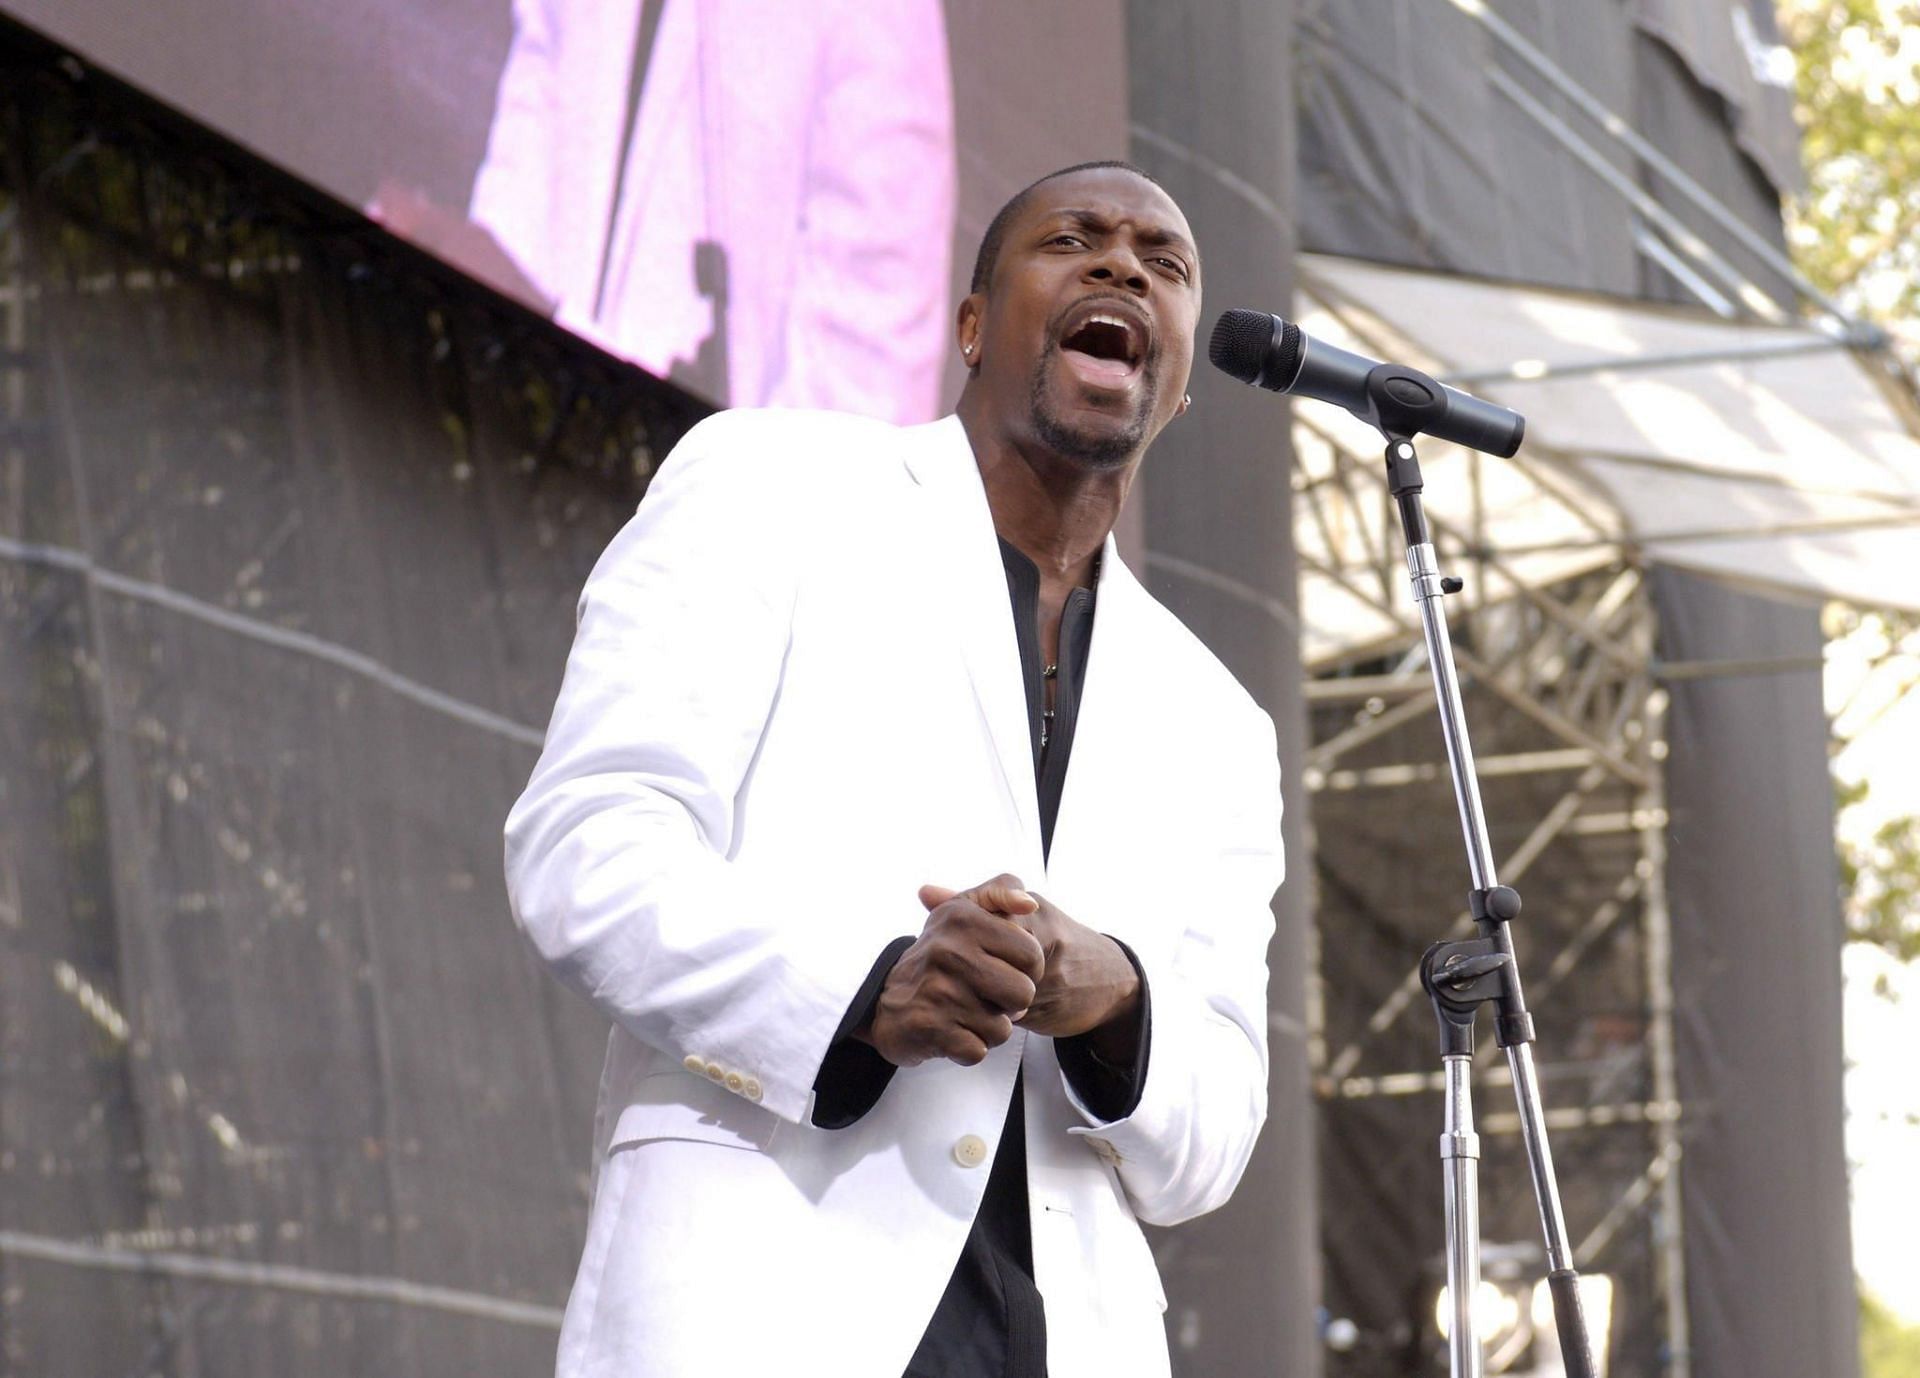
x: 970, y: 593
x: 1104, y: 767
x: 666, y: 88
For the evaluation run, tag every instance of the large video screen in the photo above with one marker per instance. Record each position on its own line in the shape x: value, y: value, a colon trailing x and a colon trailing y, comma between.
x: 770, y: 202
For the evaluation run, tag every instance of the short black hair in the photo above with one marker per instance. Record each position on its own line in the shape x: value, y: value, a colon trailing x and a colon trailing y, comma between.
x: 990, y: 242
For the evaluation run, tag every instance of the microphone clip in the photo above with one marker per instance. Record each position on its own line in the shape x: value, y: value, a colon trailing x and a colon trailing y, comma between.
x: 1403, y: 402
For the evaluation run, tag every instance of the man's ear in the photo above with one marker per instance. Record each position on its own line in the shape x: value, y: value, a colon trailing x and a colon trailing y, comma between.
x: 967, y: 322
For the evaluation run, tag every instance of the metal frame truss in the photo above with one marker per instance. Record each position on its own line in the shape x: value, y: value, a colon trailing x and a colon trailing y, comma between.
x: 1568, y: 716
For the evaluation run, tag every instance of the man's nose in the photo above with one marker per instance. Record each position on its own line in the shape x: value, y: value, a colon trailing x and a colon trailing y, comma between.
x: 1118, y: 265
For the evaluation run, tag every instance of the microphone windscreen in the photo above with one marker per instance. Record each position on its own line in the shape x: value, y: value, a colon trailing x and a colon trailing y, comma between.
x: 1240, y: 343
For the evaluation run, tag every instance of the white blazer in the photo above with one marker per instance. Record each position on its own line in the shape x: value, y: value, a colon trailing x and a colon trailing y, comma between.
x: 794, y: 697
x: 812, y: 143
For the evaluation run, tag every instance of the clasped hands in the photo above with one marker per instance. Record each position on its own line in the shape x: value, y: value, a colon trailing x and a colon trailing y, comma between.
x: 994, y: 958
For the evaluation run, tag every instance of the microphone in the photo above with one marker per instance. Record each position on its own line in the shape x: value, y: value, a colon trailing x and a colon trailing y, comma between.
x: 1259, y: 347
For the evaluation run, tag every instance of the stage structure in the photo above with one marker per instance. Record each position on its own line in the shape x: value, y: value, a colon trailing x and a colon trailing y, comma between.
x: 1571, y: 746
x: 1582, y: 214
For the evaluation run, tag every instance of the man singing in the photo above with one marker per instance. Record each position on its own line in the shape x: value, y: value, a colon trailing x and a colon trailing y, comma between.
x: 921, y: 860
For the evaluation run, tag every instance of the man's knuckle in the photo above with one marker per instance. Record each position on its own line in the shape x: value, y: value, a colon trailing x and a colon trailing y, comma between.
x: 921, y: 1026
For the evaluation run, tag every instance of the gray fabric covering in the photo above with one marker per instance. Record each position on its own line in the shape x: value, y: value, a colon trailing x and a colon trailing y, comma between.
x: 1408, y: 155
x: 1688, y: 123
x: 1737, y: 63
x: 1756, y: 954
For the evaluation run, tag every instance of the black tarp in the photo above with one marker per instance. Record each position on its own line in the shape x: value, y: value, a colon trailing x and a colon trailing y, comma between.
x: 1756, y: 958
x: 291, y: 531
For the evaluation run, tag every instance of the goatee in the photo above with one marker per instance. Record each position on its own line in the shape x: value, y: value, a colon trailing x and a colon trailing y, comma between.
x: 1091, y: 449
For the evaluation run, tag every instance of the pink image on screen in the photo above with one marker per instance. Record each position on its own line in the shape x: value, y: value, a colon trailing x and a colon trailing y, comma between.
x: 754, y: 200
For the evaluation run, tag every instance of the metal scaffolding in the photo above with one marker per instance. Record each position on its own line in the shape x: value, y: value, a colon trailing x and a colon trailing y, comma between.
x: 1565, y: 698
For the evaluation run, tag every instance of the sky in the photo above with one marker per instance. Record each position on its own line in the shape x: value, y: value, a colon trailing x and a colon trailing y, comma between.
x: 1880, y: 711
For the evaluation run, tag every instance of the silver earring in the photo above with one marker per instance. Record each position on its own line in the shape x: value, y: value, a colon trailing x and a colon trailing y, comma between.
x: 1187, y: 401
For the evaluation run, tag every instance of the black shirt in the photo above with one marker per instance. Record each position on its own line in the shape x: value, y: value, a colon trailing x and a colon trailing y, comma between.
x: 990, y: 1322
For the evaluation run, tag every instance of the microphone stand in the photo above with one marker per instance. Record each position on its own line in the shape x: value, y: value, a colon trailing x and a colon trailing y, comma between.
x: 1461, y: 976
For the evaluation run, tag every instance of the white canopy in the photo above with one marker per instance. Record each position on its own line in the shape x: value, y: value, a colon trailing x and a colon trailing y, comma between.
x: 1772, y: 455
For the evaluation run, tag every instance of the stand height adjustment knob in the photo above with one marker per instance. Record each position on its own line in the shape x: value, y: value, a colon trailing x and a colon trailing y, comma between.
x: 1451, y: 583
x: 1499, y: 904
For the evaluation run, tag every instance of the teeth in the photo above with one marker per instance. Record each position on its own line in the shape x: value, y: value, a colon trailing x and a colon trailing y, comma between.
x: 1132, y: 331
x: 1108, y: 318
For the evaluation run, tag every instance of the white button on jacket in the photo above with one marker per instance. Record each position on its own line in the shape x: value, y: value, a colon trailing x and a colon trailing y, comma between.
x: 730, y: 818
x: 970, y: 1150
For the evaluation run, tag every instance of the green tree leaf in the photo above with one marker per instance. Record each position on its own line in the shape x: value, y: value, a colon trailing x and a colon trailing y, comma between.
x: 1889, y: 1348
x: 1856, y: 229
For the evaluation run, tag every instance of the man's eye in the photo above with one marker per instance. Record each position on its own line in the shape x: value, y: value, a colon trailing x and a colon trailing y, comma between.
x: 1174, y: 264
x: 1066, y: 239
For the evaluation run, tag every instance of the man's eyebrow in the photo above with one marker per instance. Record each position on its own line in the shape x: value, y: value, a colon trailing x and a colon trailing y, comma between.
x: 1094, y: 221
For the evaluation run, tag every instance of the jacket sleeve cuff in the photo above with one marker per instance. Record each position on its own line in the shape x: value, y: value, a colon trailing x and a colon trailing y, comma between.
x: 853, y: 1075
x: 1099, y: 1089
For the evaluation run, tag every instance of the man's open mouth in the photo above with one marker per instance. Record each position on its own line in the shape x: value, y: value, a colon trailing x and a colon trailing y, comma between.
x: 1105, y: 346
